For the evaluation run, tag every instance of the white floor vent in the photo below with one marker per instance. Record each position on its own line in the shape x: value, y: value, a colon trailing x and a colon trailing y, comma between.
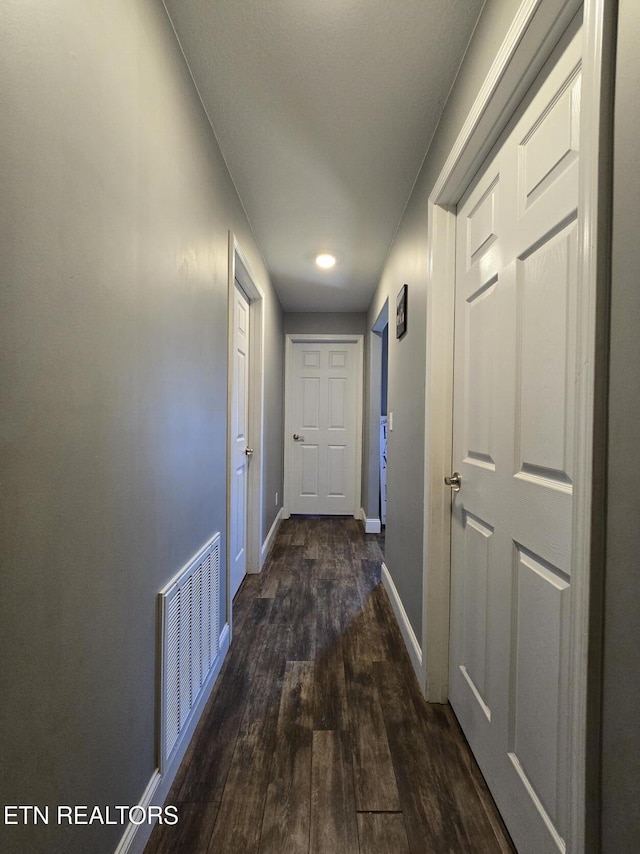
x: 190, y: 644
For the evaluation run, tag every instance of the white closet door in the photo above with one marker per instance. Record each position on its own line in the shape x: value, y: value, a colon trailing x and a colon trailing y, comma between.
x: 516, y: 290
x: 323, y: 438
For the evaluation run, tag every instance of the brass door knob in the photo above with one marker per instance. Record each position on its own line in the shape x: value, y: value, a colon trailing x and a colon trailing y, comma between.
x: 454, y: 481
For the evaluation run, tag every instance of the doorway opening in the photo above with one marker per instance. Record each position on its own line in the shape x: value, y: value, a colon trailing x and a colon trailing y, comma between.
x: 384, y: 415
x: 374, y: 497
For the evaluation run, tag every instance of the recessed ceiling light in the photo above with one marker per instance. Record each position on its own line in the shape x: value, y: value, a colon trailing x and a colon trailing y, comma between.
x: 325, y: 260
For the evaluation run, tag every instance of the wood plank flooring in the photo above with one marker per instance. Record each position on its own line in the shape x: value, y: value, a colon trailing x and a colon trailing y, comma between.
x: 316, y: 739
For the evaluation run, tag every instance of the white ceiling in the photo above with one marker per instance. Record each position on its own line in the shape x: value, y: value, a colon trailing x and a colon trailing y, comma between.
x: 324, y: 110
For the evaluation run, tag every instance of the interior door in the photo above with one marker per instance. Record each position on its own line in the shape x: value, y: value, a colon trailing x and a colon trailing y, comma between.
x: 516, y: 291
x: 240, y: 450
x: 322, y: 440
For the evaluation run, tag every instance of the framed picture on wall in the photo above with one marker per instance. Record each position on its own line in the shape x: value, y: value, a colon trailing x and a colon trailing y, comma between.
x: 401, y: 312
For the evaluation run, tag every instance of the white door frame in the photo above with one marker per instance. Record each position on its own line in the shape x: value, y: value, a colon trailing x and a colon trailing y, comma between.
x: 528, y: 44
x: 240, y: 269
x: 290, y: 340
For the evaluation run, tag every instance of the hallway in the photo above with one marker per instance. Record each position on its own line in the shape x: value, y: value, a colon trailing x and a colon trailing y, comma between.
x: 316, y: 738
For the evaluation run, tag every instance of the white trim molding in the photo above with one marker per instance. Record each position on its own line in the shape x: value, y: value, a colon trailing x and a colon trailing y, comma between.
x: 268, y: 541
x: 589, y: 456
x: 406, y: 629
x: 136, y: 836
x: 371, y: 526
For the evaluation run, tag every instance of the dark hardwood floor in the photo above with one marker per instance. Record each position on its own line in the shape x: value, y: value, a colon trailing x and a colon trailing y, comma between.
x: 316, y: 738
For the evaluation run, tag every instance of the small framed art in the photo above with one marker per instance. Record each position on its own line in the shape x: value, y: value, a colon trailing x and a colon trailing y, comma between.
x: 401, y: 312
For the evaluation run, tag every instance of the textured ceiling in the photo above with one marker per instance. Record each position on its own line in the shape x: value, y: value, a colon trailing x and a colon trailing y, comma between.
x: 324, y: 110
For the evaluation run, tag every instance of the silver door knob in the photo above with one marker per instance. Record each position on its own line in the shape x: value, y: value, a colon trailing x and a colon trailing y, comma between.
x: 248, y: 452
x: 455, y: 481
x: 298, y: 438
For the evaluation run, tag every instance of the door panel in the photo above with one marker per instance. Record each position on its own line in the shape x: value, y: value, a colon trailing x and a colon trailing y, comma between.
x: 238, y: 538
x: 515, y: 366
x: 310, y: 471
x: 544, y: 427
x: 541, y: 612
x: 481, y: 357
x: 337, y: 464
x: 478, y: 548
x: 338, y: 412
x: 482, y: 224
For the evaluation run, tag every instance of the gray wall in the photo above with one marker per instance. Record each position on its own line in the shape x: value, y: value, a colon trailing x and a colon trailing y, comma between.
x: 407, y: 262
x: 116, y: 206
x: 324, y: 323
x: 621, y: 721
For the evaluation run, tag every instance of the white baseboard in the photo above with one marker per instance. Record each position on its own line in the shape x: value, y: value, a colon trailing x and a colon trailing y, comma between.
x: 371, y: 526
x: 133, y: 831
x: 408, y: 635
x: 268, y: 542
x: 136, y: 836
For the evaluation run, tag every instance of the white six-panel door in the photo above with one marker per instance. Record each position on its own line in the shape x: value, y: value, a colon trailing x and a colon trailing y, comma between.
x: 239, y: 439
x: 323, y: 384
x: 516, y: 291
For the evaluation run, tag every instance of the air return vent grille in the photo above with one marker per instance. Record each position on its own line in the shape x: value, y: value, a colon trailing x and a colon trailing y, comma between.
x: 190, y: 644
